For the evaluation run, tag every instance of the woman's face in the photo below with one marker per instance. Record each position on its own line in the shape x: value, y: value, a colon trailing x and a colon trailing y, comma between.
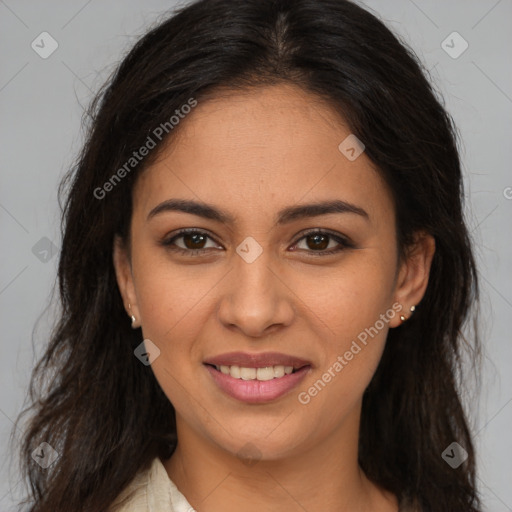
x: 260, y: 283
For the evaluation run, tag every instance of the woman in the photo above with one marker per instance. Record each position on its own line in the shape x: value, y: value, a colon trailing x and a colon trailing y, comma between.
x: 264, y: 276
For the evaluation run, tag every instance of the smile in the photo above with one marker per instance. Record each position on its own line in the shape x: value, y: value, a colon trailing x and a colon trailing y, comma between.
x: 256, y: 385
x: 264, y: 373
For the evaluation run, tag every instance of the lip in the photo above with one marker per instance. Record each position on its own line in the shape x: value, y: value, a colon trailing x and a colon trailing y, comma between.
x: 256, y: 391
x: 257, y: 360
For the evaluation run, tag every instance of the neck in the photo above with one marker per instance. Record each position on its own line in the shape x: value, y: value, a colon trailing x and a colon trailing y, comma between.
x: 322, y: 476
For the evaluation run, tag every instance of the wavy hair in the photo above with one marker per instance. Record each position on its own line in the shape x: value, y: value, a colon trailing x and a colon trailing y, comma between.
x: 102, y: 410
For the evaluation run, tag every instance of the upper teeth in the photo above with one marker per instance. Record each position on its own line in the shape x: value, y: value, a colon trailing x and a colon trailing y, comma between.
x: 267, y: 373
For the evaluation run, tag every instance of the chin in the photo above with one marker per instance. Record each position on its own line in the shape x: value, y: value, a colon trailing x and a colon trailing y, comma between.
x: 261, y: 442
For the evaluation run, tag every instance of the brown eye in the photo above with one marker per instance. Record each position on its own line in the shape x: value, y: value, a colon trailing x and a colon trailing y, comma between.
x: 317, y: 241
x: 322, y: 243
x: 194, y: 240
x: 189, y: 242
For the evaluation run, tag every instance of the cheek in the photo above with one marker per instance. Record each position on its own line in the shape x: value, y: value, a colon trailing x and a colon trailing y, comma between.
x: 354, y: 308
x: 172, y: 302
x: 171, y: 297
x: 349, y: 299
x: 349, y: 362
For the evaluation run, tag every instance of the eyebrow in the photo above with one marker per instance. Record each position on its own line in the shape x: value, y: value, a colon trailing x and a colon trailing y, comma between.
x: 284, y: 216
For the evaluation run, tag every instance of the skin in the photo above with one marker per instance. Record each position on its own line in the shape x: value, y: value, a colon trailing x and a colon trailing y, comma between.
x: 253, y: 154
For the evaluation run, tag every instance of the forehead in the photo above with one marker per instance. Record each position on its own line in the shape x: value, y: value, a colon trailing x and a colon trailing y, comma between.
x: 266, y: 147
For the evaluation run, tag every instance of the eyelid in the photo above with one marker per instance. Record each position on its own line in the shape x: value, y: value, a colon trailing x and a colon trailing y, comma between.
x: 341, y: 239
x: 321, y: 231
x: 168, y: 241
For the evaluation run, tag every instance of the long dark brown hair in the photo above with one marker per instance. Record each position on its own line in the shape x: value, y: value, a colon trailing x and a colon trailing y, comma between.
x: 99, y: 407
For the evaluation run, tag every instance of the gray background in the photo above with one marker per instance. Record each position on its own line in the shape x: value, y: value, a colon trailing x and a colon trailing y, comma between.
x: 41, y: 103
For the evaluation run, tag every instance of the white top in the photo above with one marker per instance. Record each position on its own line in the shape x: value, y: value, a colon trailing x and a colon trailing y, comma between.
x: 153, y: 491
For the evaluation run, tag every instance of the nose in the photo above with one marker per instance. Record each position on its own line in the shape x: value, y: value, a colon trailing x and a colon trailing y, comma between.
x: 256, y: 300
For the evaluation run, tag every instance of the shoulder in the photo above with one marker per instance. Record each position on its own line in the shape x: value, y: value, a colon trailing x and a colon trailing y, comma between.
x: 151, y: 491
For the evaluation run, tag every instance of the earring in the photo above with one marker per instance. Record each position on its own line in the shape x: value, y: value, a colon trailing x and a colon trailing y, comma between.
x: 132, y: 317
x: 412, y: 310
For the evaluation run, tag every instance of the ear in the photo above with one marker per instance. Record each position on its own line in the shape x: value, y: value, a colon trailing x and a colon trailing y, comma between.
x: 413, y: 275
x: 124, y: 276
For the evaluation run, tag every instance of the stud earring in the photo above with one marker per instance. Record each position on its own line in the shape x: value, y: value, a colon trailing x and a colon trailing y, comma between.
x: 132, y: 317
x: 412, y: 310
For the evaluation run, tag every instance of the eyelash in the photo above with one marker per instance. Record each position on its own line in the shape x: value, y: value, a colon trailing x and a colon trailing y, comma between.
x: 344, y: 242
